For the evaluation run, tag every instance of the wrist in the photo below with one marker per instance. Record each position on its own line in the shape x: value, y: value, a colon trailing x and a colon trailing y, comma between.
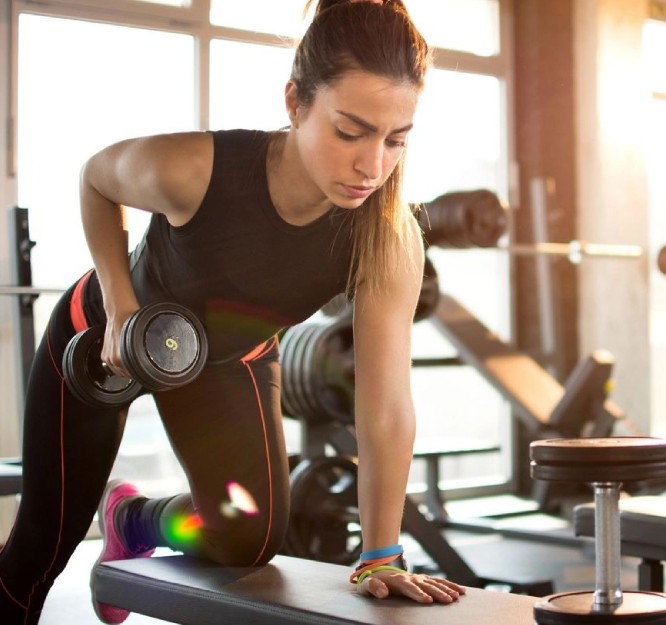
x: 396, y: 563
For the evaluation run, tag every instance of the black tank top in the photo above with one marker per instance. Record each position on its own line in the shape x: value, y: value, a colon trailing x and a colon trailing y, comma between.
x: 237, y: 264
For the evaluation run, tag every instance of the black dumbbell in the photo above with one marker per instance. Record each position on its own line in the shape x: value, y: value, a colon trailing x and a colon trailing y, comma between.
x: 162, y: 346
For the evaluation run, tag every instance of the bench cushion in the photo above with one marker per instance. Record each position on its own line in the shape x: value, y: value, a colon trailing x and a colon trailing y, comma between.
x: 287, y: 591
x: 643, y: 525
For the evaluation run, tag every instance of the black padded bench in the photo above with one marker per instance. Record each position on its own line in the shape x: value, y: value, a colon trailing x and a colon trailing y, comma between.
x: 642, y: 534
x: 287, y: 591
x: 11, y: 477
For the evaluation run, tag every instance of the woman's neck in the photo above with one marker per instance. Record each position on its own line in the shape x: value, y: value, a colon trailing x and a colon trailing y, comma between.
x: 295, y: 197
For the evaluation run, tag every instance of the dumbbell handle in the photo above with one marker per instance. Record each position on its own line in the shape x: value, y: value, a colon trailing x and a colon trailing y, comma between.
x: 608, y: 591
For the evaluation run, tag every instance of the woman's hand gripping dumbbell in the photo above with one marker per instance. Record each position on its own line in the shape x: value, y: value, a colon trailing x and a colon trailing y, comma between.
x: 162, y: 346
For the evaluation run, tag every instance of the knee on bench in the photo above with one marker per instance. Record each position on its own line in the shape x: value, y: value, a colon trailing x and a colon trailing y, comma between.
x: 236, y: 547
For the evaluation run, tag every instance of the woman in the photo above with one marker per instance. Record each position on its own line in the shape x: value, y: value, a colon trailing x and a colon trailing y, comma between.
x: 253, y: 232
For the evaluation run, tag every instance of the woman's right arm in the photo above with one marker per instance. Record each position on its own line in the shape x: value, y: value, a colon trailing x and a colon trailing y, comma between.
x: 165, y: 174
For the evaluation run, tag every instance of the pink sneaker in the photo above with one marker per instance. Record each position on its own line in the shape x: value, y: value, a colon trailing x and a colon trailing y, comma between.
x: 112, y: 547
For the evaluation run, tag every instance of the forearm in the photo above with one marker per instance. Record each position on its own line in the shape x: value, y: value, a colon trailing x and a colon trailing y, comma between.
x: 385, y: 455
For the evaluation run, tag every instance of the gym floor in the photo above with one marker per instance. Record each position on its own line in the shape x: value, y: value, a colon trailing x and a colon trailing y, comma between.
x: 569, y: 566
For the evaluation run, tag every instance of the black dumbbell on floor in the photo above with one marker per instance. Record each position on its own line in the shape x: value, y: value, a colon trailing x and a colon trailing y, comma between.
x: 605, y: 463
x: 162, y: 346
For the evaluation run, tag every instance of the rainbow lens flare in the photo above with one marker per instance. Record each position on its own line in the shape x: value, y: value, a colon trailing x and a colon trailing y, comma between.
x: 240, y: 501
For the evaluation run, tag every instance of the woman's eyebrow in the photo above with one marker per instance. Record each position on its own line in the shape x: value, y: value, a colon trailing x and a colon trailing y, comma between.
x: 371, y: 127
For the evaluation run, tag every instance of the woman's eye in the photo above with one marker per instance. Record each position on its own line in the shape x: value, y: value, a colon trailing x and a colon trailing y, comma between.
x: 344, y: 136
x: 396, y: 143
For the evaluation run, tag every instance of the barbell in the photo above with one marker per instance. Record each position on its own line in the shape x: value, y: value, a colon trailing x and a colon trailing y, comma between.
x: 30, y: 290
x: 477, y: 219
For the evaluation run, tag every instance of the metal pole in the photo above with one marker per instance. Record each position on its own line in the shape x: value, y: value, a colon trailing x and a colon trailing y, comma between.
x: 28, y: 290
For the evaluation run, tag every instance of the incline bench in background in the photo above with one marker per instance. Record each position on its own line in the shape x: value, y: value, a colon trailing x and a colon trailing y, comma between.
x: 287, y: 591
x: 537, y: 398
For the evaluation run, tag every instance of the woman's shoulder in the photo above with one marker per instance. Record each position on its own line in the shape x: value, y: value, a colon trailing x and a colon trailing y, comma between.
x: 240, y: 138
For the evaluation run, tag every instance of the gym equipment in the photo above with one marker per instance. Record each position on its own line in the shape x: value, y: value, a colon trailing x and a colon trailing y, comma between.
x: 29, y: 290
x: 324, y: 523
x: 318, y: 370
x: 642, y: 534
x: 11, y: 476
x: 286, y: 591
x: 339, y: 306
x: 605, y: 463
x: 162, y: 345
x: 467, y: 219
x: 429, y: 294
x: 464, y: 219
x: 537, y: 398
x: 318, y: 358
x: 575, y: 250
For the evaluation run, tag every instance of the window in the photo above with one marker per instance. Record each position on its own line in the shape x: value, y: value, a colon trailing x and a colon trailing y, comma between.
x: 467, y: 25
x: 248, y: 94
x: 266, y: 16
x: 98, y: 83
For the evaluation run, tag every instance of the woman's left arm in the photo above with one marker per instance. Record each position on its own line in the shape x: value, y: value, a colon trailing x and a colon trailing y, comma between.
x: 385, y: 422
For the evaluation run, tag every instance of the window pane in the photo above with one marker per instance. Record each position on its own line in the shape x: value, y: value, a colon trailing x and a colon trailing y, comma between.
x: 456, y: 142
x: 456, y: 145
x: 248, y: 94
x: 265, y: 16
x: 466, y: 25
x: 129, y: 82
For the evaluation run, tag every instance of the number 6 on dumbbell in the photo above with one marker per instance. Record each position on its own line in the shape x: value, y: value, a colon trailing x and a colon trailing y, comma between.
x: 162, y: 346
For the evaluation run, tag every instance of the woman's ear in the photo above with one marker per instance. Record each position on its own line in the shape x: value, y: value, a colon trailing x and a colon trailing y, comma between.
x: 291, y: 101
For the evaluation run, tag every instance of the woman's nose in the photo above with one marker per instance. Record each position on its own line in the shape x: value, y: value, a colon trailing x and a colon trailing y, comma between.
x: 369, y: 161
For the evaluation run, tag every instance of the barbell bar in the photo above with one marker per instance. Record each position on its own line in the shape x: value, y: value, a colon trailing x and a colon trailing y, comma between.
x: 29, y: 290
x: 574, y: 250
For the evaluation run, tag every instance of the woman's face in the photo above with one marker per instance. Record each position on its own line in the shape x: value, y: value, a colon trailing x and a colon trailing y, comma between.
x: 353, y: 135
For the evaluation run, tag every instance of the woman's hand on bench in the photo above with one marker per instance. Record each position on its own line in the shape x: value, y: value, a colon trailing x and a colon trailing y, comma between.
x: 419, y: 587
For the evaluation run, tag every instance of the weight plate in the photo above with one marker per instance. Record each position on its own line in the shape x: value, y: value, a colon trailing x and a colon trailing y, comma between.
x: 330, y: 372
x: 288, y: 407
x: 307, y: 386
x: 86, y: 377
x: 324, y: 523
x: 163, y: 346
x: 293, y: 385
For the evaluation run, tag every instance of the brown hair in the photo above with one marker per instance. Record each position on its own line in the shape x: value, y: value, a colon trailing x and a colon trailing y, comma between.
x: 380, y: 39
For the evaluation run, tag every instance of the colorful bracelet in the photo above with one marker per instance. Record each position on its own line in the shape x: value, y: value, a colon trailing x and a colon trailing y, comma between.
x: 397, y: 563
x: 373, y: 554
x: 367, y: 572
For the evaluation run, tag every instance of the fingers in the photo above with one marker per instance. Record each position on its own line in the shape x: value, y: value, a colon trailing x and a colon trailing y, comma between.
x: 419, y: 588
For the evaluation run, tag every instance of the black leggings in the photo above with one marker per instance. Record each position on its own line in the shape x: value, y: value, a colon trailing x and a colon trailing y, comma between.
x: 225, y: 428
